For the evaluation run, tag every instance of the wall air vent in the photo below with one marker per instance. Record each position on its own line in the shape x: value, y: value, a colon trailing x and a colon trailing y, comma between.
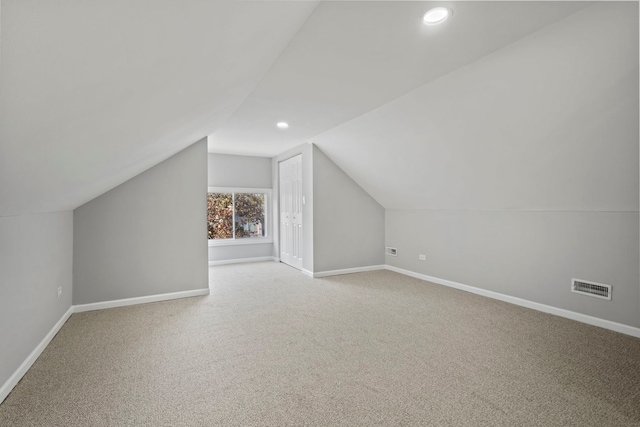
x: 592, y: 289
x: 391, y: 251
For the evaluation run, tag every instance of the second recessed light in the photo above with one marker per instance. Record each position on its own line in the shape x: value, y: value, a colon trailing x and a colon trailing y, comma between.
x: 437, y: 15
x: 282, y: 125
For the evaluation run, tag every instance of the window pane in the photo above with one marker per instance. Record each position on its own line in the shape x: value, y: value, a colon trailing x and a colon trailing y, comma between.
x: 250, y: 215
x: 220, y: 215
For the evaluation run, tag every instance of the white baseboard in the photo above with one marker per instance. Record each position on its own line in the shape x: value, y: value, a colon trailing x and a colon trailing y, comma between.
x: 345, y: 271
x: 307, y: 272
x: 138, y: 300
x: 24, y: 367
x: 240, y: 260
x: 584, y: 318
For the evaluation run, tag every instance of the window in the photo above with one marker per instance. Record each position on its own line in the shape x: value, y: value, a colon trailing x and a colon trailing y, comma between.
x: 237, y: 216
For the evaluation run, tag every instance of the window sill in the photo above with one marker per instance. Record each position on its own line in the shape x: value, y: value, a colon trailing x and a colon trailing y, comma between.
x: 247, y: 241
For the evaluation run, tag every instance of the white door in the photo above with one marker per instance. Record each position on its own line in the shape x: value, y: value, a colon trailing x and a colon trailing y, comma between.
x: 290, y: 179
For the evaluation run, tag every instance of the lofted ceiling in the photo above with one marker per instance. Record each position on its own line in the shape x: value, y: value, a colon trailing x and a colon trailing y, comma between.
x: 93, y: 93
x: 352, y: 56
x: 549, y: 123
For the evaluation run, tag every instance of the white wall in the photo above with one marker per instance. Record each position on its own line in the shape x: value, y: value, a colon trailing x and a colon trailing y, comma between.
x: 233, y: 171
x: 36, y: 253
x: 147, y: 236
x: 349, y: 223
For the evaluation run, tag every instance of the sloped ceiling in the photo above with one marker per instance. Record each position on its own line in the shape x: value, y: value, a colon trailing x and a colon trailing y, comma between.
x: 351, y: 57
x: 92, y: 93
x: 549, y: 123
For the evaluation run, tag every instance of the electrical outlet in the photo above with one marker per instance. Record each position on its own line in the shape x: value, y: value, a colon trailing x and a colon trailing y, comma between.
x: 422, y: 257
x: 59, y: 291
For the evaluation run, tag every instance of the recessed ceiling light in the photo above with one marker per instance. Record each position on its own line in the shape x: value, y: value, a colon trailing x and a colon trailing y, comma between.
x: 437, y: 15
x: 282, y: 125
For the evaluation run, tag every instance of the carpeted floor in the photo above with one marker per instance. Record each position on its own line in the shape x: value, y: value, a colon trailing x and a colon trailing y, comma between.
x: 271, y: 347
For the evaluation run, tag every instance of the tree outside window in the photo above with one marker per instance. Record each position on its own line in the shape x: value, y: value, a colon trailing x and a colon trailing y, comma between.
x: 236, y: 215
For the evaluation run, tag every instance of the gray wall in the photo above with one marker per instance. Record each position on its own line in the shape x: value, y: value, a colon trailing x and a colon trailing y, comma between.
x: 349, y: 223
x: 146, y: 236
x: 542, y: 181
x: 529, y: 255
x: 306, y: 150
x: 227, y: 170
x: 239, y: 252
x: 36, y: 253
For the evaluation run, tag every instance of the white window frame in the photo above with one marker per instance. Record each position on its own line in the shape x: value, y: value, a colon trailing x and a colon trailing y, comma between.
x: 268, y: 238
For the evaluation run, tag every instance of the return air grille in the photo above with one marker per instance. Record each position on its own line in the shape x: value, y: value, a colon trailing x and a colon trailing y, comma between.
x: 592, y: 289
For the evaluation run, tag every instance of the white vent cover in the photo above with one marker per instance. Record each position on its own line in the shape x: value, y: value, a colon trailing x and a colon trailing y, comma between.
x: 391, y: 251
x: 592, y: 289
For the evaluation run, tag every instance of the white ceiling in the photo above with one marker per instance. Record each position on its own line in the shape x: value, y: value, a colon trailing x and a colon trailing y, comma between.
x: 549, y: 123
x: 351, y: 57
x: 92, y: 93
x: 95, y: 92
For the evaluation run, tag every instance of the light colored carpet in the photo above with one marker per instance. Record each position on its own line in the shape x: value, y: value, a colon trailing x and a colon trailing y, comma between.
x: 271, y: 347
